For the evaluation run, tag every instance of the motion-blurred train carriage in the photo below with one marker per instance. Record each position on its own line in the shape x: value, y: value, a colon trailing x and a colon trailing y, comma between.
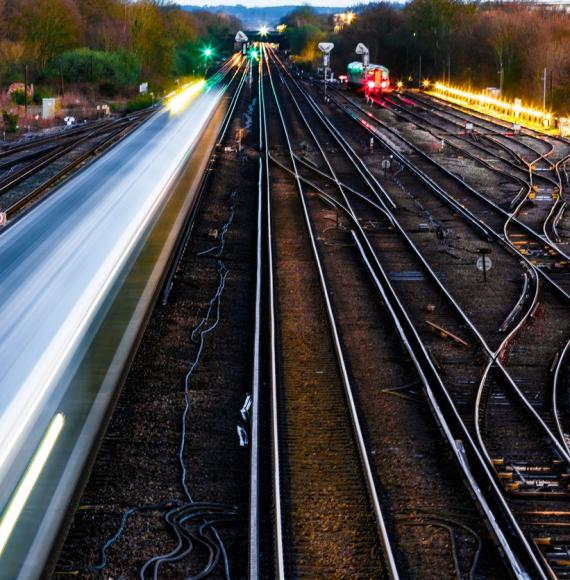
x: 374, y: 78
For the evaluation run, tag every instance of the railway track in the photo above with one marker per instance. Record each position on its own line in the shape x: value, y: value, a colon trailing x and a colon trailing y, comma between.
x: 483, y: 213
x: 136, y: 241
x: 539, y: 197
x: 558, y: 146
x: 30, y: 169
x: 533, y: 439
x: 328, y: 519
x: 284, y: 161
x: 365, y: 317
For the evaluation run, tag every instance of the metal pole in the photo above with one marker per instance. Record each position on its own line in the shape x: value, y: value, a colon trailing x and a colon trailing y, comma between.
x: 26, y: 91
x: 61, y: 78
x: 544, y: 90
x: 501, y: 78
x: 550, y: 96
x: 420, y: 73
x: 325, y: 73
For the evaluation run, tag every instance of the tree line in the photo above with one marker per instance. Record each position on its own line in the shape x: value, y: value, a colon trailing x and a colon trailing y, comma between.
x: 470, y: 44
x: 115, y: 43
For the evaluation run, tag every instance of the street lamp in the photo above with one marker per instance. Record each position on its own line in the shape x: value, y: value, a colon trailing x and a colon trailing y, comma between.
x: 208, y: 53
x: 325, y: 48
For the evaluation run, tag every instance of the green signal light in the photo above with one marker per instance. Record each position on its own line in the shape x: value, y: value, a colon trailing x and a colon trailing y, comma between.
x: 208, y: 52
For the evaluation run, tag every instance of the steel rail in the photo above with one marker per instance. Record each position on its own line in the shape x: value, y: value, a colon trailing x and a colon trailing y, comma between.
x: 491, y: 481
x: 106, y: 143
x: 62, y: 135
x: 555, y: 388
x: 527, y: 168
x: 490, y: 353
x: 529, y: 165
x: 505, y: 506
x: 448, y: 198
x: 456, y: 445
x: 189, y: 225
x: 555, y: 166
x: 518, y: 305
x: 536, y: 416
x: 417, y: 350
x: 498, y: 352
x: 518, y: 163
x: 486, y: 136
x: 12, y: 180
x: 253, y: 561
x: 348, y: 389
x: 495, y: 122
x: 279, y: 544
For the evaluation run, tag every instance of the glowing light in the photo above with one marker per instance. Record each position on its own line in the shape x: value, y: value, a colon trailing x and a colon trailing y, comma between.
x: 513, y: 110
x: 263, y: 31
x: 281, y: 28
x: 426, y: 83
x: 399, y: 84
x: 207, y: 52
x: 384, y: 84
x: 371, y: 84
x: 180, y: 100
x: 20, y: 497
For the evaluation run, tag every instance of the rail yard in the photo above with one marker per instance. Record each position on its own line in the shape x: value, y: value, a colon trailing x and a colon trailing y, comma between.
x: 314, y: 332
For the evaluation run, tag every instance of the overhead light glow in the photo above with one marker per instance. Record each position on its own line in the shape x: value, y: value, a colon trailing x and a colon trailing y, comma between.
x: 426, y: 83
x: 263, y: 31
x: 208, y: 52
x: 179, y: 100
x: 20, y: 497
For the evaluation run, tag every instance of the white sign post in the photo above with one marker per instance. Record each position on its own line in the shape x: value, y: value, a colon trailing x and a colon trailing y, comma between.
x: 325, y: 48
x: 362, y: 50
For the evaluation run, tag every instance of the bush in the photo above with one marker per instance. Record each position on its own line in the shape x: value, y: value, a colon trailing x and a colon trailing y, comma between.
x: 83, y: 65
x: 19, y: 98
x: 10, y: 121
x: 139, y: 102
x: 40, y: 94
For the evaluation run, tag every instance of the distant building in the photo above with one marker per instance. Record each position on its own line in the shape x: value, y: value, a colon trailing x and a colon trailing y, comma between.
x: 562, y: 5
